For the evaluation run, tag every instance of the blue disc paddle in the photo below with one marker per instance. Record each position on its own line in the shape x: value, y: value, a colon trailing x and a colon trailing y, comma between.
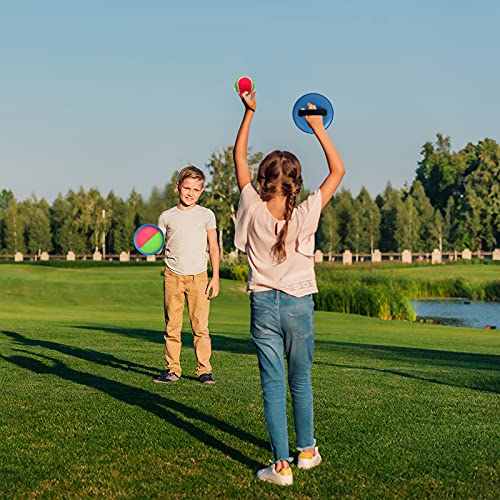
x: 149, y: 239
x: 323, y: 107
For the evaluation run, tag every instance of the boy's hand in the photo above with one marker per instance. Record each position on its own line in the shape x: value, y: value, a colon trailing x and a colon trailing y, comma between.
x: 249, y: 101
x: 213, y: 288
x: 314, y: 121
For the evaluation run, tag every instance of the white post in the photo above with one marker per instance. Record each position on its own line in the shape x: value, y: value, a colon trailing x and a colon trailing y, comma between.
x: 318, y: 256
x: 406, y: 257
x: 347, y: 258
x: 436, y: 256
x: 467, y: 254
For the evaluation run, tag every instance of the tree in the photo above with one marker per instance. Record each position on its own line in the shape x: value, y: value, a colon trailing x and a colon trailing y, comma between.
x: 439, y: 171
x: 170, y: 196
x: 437, y: 230
x: 427, y: 239
x: 389, y: 204
x: 37, y: 227
x: 449, y: 225
x: 14, y: 229
x: 328, y: 238
x: 407, y: 225
x: 64, y: 234
x: 154, y: 206
x: 222, y: 190
x: 343, y: 211
x: 5, y: 198
x: 479, y: 202
x: 368, y: 216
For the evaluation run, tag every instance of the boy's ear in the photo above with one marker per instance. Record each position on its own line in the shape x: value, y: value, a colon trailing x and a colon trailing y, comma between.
x: 176, y: 187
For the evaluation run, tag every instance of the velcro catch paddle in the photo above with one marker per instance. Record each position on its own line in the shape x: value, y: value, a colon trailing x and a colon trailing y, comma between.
x: 324, y: 108
x: 149, y: 239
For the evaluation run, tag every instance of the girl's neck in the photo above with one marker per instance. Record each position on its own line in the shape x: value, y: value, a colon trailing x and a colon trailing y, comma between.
x: 277, y: 207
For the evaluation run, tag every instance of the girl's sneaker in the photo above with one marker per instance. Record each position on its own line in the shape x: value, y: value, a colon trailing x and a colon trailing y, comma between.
x: 284, y: 477
x: 307, y: 460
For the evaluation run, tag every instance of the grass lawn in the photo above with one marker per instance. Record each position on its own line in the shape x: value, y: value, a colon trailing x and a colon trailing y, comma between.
x: 472, y: 272
x: 402, y: 409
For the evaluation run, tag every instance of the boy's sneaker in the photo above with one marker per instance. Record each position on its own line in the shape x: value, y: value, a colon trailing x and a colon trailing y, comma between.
x: 307, y: 460
x: 206, y: 378
x: 166, y: 376
x: 284, y: 477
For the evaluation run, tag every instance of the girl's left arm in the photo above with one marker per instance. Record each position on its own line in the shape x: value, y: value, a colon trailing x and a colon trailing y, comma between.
x: 240, y: 147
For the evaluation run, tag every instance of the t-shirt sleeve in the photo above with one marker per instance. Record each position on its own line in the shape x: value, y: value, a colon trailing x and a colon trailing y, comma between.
x: 309, y: 214
x: 211, y: 222
x: 249, y: 199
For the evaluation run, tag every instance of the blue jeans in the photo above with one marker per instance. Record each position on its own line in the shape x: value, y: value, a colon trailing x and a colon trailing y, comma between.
x: 281, y: 323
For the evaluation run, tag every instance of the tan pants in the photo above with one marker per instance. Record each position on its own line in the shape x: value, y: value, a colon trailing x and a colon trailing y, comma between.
x: 192, y: 287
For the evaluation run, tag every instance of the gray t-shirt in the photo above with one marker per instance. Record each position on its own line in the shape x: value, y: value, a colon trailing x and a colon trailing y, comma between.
x: 186, y: 238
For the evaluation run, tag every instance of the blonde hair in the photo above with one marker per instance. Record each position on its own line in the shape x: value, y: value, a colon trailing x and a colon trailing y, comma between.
x: 190, y: 172
x: 280, y: 174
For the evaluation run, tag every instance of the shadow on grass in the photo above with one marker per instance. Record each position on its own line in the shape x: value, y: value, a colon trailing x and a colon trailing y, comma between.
x: 86, y: 354
x: 155, y: 404
x: 219, y: 342
x: 420, y: 358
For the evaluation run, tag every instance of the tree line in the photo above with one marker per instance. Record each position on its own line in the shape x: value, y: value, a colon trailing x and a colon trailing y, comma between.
x: 453, y: 203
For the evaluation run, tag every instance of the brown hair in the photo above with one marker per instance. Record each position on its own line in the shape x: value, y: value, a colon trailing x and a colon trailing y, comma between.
x: 190, y: 172
x: 280, y: 174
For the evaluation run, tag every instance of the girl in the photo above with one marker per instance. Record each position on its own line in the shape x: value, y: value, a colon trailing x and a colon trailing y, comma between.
x: 278, y: 238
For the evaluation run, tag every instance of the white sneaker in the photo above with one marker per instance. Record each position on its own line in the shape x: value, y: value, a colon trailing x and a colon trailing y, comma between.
x: 284, y: 477
x: 307, y: 460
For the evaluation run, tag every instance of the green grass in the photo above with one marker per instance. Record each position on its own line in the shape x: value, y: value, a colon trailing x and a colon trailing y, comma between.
x: 402, y: 409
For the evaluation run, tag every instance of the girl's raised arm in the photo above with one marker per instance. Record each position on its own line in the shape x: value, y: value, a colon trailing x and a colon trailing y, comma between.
x: 240, y: 147
x: 335, y: 163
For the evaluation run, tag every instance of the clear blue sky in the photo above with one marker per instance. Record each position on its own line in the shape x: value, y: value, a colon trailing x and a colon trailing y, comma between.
x: 118, y: 94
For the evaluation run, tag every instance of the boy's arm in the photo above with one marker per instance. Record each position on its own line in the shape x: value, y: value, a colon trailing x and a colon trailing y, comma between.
x: 213, y: 250
x: 163, y: 226
x: 335, y: 163
x: 240, y: 147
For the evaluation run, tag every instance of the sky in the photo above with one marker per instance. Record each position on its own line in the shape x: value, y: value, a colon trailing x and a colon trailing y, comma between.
x: 118, y: 94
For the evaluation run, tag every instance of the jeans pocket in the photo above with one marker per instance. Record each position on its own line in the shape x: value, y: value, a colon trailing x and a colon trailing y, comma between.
x: 301, y: 324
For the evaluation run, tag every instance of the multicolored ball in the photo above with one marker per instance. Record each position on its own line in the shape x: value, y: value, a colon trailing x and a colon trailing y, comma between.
x: 244, y: 84
x: 149, y: 239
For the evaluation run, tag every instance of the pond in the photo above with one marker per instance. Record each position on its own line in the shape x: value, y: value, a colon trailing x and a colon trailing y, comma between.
x: 459, y: 312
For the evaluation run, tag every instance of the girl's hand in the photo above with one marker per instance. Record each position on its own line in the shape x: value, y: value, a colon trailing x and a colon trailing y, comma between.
x: 249, y: 101
x: 314, y: 121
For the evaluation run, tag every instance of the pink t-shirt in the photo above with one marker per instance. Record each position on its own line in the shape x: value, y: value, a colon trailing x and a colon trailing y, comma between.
x: 256, y: 232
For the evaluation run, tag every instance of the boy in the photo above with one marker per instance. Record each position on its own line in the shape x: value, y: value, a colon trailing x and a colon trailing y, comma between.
x: 187, y: 228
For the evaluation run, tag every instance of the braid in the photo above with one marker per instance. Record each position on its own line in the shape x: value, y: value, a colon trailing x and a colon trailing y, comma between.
x: 280, y: 175
x: 278, y: 250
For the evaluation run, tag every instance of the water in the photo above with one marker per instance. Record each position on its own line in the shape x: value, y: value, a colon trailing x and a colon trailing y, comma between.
x: 459, y: 312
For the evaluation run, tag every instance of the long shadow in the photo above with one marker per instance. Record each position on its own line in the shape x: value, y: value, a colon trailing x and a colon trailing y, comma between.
x: 160, y: 406
x: 410, y: 376
x: 219, y: 342
x: 490, y: 362
x: 86, y: 354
